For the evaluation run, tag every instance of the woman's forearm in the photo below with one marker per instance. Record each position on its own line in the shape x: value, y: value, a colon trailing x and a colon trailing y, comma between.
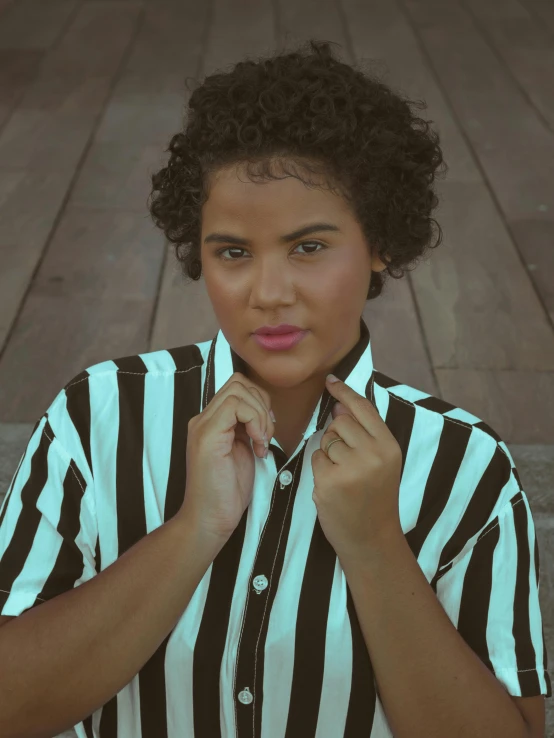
x: 63, y: 659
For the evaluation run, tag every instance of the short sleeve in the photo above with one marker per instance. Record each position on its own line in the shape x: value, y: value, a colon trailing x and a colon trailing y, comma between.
x: 48, y: 529
x: 491, y: 594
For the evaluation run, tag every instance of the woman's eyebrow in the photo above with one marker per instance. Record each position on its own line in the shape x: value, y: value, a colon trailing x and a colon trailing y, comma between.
x: 304, y: 231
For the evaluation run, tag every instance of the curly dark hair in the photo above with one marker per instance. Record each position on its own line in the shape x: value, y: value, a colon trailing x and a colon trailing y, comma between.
x: 328, y: 117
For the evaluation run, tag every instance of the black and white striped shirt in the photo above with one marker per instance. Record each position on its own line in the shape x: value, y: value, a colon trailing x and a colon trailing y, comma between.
x: 269, y: 644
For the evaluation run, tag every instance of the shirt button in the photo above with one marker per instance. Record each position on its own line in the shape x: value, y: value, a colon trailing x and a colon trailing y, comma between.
x: 285, y: 477
x: 245, y: 696
x: 260, y: 583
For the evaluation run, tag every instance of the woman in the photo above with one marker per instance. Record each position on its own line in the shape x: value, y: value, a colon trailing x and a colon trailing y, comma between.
x: 297, y: 187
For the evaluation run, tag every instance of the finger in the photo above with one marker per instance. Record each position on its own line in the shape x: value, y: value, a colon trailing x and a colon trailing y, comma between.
x: 262, y: 396
x: 250, y: 384
x: 253, y: 396
x: 237, y: 409
x: 345, y: 427
x: 257, y: 421
x: 270, y: 426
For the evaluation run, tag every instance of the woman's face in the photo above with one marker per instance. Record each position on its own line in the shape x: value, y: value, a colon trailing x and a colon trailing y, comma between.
x: 318, y: 282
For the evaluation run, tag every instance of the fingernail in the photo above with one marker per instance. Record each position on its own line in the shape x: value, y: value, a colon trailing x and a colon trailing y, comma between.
x: 266, y: 444
x: 272, y: 416
x: 331, y: 378
x: 266, y: 453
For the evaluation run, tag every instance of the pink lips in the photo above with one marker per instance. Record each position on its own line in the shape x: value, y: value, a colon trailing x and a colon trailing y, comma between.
x: 279, y: 342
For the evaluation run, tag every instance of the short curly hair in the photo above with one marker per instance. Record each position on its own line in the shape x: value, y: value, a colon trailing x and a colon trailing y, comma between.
x: 330, y: 118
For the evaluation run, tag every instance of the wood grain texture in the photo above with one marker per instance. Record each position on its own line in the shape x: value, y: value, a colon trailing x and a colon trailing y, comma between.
x: 85, y: 277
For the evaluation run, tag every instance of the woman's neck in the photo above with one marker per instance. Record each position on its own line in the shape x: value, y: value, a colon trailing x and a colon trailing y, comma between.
x: 293, y: 407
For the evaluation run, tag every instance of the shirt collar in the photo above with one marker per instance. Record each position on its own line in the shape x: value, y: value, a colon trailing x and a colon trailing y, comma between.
x: 355, y: 369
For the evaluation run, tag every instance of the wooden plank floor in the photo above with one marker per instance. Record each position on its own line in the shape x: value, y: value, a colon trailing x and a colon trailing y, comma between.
x: 92, y: 90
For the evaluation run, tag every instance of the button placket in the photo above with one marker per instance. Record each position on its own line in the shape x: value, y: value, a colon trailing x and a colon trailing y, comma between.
x: 260, y: 583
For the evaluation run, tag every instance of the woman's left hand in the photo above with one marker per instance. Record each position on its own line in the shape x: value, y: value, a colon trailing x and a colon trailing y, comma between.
x: 356, y: 487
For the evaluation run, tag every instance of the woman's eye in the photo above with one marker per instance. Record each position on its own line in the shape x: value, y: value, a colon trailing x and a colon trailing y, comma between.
x: 233, y: 248
x: 312, y: 243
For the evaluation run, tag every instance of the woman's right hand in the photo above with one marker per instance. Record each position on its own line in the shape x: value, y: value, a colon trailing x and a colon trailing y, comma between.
x: 220, y: 460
